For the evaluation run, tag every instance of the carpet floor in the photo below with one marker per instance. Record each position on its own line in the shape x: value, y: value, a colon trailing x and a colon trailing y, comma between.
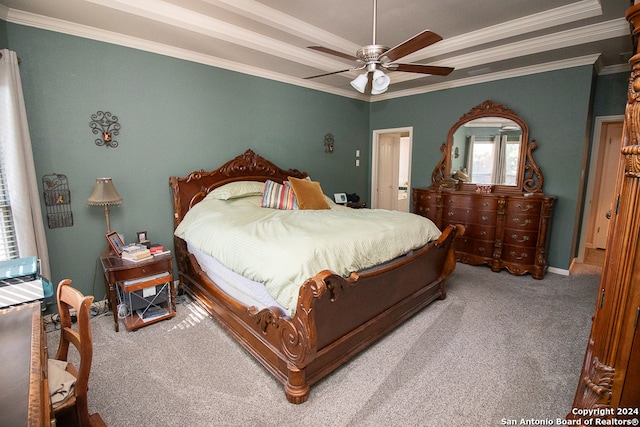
x: 499, y: 348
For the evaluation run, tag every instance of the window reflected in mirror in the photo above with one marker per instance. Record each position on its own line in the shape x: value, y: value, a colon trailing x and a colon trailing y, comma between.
x: 488, y: 151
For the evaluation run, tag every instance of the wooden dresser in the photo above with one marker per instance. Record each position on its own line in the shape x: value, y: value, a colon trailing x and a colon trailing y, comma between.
x: 502, y: 230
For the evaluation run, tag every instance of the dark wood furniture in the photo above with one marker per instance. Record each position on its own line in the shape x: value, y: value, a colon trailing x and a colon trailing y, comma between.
x: 336, y: 318
x: 502, y: 230
x: 507, y: 224
x: 75, y: 410
x: 610, y: 378
x: 24, y: 390
x: 117, y: 271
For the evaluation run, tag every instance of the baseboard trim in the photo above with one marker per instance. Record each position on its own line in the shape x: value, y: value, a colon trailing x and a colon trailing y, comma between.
x: 560, y: 271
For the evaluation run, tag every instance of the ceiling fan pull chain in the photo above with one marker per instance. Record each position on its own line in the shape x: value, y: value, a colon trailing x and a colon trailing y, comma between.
x: 375, y: 20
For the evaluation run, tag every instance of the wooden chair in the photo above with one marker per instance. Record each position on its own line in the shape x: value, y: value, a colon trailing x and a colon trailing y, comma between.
x: 75, y: 411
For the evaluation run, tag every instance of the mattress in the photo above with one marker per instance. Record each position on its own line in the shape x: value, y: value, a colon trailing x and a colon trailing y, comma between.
x: 282, y: 248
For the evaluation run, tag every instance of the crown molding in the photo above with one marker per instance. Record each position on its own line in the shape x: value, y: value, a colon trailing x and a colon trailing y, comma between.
x: 567, y: 38
x: 517, y: 72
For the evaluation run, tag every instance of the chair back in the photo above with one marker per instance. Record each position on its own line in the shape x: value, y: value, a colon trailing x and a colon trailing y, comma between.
x: 69, y: 298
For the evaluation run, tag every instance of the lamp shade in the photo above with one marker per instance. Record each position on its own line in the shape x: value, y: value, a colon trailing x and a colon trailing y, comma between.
x: 360, y: 82
x: 104, y: 194
x: 380, y: 82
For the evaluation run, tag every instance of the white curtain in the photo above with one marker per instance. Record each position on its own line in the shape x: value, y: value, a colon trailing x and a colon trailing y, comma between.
x: 20, y: 170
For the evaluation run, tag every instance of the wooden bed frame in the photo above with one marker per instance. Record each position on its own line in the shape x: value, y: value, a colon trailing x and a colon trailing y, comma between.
x: 336, y: 318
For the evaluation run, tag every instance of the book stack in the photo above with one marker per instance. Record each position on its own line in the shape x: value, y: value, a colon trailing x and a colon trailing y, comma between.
x: 157, y: 249
x: 135, y: 252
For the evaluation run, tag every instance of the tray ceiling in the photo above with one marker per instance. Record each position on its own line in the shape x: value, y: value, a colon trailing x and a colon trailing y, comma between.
x: 269, y: 38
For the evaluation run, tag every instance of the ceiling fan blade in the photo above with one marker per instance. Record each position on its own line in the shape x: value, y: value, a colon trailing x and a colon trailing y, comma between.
x: 327, y: 74
x: 423, y: 69
x: 333, y: 52
x: 415, y: 43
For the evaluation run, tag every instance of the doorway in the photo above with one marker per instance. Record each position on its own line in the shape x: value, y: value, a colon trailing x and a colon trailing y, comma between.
x: 605, y: 157
x: 391, y: 169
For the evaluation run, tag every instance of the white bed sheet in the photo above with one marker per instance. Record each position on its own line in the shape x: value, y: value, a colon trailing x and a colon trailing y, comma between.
x: 243, y: 290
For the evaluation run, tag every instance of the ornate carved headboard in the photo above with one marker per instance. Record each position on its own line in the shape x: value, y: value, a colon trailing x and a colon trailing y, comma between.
x: 249, y: 166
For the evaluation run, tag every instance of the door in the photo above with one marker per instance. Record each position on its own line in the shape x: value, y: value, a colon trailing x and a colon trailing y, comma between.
x: 388, y: 157
x: 391, y: 169
x: 608, y: 161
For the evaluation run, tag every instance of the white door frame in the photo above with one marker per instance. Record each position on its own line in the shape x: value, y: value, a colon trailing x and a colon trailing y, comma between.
x: 374, y: 159
x: 593, y: 164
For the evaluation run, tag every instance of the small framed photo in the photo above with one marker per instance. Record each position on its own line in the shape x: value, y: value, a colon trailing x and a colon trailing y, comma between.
x: 340, y: 198
x: 142, y: 237
x: 115, y: 242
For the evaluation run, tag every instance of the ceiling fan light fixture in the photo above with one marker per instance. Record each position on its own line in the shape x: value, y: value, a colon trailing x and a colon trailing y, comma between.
x: 380, y: 82
x: 360, y: 82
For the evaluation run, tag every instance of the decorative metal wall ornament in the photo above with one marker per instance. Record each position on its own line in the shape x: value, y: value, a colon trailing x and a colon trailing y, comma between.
x: 57, y: 199
x: 106, y: 125
x: 328, y: 143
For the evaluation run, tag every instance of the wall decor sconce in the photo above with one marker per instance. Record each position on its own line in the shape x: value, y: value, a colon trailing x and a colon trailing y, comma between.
x: 57, y: 199
x: 106, y: 125
x: 328, y: 143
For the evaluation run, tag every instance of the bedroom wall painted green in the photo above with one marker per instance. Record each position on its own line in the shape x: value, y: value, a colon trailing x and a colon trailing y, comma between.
x: 4, y: 40
x: 176, y: 117
x: 555, y: 106
x: 179, y: 116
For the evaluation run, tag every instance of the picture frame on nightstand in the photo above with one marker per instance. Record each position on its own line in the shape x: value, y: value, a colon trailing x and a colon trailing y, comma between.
x: 115, y: 242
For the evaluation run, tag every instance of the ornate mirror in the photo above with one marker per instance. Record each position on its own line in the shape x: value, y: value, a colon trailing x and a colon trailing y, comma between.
x: 489, y: 147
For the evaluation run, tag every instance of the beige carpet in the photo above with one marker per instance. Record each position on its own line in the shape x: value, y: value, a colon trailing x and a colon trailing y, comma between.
x: 500, y: 347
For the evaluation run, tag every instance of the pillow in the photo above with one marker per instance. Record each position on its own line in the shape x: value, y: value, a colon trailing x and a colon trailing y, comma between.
x: 278, y: 196
x: 309, y: 194
x: 237, y: 189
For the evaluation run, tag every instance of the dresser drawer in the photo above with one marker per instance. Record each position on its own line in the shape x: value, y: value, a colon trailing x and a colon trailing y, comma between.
x: 473, y: 246
x: 522, y: 221
x: 520, y: 237
x: 527, y: 206
x: 423, y: 196
x: 519, y: 254
x: 456, y: 215
x: 482, y: 232
x: 471, y: 201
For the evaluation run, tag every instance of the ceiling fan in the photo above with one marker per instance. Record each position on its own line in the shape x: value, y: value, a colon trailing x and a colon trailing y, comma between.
x: 374, y: 58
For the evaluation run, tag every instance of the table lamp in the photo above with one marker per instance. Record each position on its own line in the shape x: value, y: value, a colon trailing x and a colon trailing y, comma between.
x: 104, y: 194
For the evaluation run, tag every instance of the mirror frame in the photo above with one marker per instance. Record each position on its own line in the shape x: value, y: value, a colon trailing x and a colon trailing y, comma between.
x: 529, y: 178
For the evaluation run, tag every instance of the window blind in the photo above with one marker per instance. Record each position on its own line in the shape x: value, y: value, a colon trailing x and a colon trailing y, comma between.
x: 8, y: 241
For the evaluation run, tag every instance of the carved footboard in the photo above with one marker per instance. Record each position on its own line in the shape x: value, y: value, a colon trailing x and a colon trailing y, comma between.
x: 335, y: 318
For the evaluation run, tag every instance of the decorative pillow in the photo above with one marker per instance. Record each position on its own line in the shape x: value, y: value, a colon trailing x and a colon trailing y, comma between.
x: 309, y: 194
x: 278, y: 196
x: 234, y: 190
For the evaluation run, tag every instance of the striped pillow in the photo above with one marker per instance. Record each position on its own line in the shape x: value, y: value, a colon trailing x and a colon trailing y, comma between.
x: 278, y: 196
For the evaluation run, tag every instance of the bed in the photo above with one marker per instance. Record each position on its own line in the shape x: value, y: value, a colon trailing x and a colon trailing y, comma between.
x: 333, y: 316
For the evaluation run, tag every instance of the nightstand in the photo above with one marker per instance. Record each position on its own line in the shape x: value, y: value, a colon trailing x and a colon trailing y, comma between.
x: 357, y: 205
x: 125, y: 280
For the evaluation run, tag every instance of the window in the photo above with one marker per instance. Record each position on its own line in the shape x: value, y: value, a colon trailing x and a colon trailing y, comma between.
x: 8, y: 241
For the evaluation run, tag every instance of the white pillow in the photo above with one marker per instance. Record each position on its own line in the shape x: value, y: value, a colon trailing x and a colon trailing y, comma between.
x: 237, y: 189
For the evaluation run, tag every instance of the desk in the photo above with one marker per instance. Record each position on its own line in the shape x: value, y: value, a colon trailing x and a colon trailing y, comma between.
x: 24, y: 390
x: 116, y: 270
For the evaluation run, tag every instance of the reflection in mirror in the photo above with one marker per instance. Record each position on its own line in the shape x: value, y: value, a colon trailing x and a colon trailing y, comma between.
x: 489, y: 148
x: 487, y: 151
